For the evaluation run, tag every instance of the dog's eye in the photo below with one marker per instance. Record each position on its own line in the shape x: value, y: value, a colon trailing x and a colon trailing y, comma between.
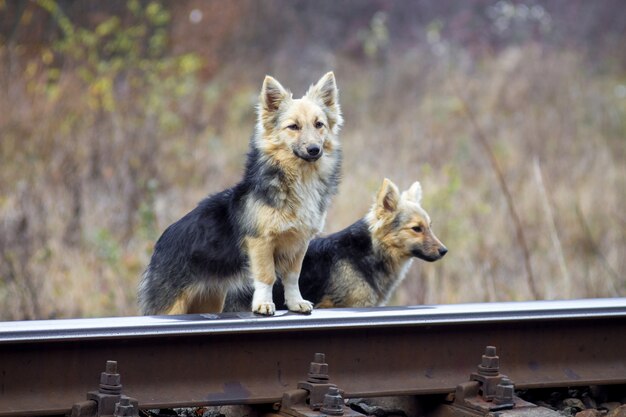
x: 319, y: 125
x: 418, y: 229
x: 293, y: 127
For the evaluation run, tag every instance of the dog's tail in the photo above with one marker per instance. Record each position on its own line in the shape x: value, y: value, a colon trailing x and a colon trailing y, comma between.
x: 156, y: 294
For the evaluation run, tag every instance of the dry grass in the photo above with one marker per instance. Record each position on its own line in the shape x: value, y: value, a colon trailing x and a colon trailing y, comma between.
x: 85, y: 190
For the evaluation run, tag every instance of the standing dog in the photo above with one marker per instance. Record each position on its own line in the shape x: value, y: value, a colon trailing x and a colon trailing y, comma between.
x: 262, y: 226
x: 362, y: 265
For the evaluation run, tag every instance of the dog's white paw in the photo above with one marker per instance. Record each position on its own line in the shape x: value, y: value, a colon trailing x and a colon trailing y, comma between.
x: 266, y: 309
x: 300, y: 306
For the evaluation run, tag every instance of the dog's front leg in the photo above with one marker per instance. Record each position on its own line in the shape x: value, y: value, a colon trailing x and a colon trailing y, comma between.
x: 261, y: 255
x: 293, y: 297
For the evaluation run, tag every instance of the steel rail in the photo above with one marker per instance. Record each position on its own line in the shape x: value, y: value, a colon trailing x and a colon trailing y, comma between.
x: 46, y: 366
x: 131, y: 327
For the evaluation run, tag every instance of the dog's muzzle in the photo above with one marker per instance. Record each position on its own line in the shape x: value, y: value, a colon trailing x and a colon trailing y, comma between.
x: 428, y: 257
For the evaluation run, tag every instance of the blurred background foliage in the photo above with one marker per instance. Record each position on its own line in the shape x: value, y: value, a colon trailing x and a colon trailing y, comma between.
x: 117, y: 117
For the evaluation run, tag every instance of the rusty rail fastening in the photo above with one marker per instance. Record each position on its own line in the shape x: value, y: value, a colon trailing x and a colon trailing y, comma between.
x: 489, y: 391
x: 315, y: 397
x: 108, y: 400
x: 48, y: 367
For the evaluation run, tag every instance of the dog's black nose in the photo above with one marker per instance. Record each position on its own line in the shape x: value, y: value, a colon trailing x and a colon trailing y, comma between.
x: 313, y: 150
x: 443, y: 250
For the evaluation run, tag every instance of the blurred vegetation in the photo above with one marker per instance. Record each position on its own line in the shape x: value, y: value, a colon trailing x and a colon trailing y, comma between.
x: 117, y: 117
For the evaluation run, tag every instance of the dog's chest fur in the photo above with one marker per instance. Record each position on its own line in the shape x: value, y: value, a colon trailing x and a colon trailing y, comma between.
x: 291, y: 208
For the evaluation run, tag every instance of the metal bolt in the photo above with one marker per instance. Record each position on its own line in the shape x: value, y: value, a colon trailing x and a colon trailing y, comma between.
x: 111, y: 367
x: 110, y: 379
x: 490, y: 364
x: 318, y: 369
x: 333, y: 402
x: 124, y: 408
x: 505, y: 391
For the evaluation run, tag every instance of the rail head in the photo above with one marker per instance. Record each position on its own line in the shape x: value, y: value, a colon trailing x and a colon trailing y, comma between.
x: 212, y: 324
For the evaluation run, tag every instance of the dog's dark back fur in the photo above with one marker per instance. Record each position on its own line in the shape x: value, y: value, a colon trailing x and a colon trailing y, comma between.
x: 353, y: 243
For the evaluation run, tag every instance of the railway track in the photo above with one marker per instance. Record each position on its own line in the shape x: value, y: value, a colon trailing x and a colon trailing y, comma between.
x: 56, y: 367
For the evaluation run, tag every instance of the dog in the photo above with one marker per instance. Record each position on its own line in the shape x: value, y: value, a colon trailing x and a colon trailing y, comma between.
x: 362, y: 265
x: 260, y: 228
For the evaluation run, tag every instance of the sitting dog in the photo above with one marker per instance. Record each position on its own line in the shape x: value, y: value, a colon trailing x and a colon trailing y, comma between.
x: 261, y: 227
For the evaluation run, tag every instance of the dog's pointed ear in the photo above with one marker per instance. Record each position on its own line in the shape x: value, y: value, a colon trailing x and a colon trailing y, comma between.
x: 272, y: 94
x: 325, y: 90
x: 414, y: 193
x: 326, y: 93
x: 387, y: 199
